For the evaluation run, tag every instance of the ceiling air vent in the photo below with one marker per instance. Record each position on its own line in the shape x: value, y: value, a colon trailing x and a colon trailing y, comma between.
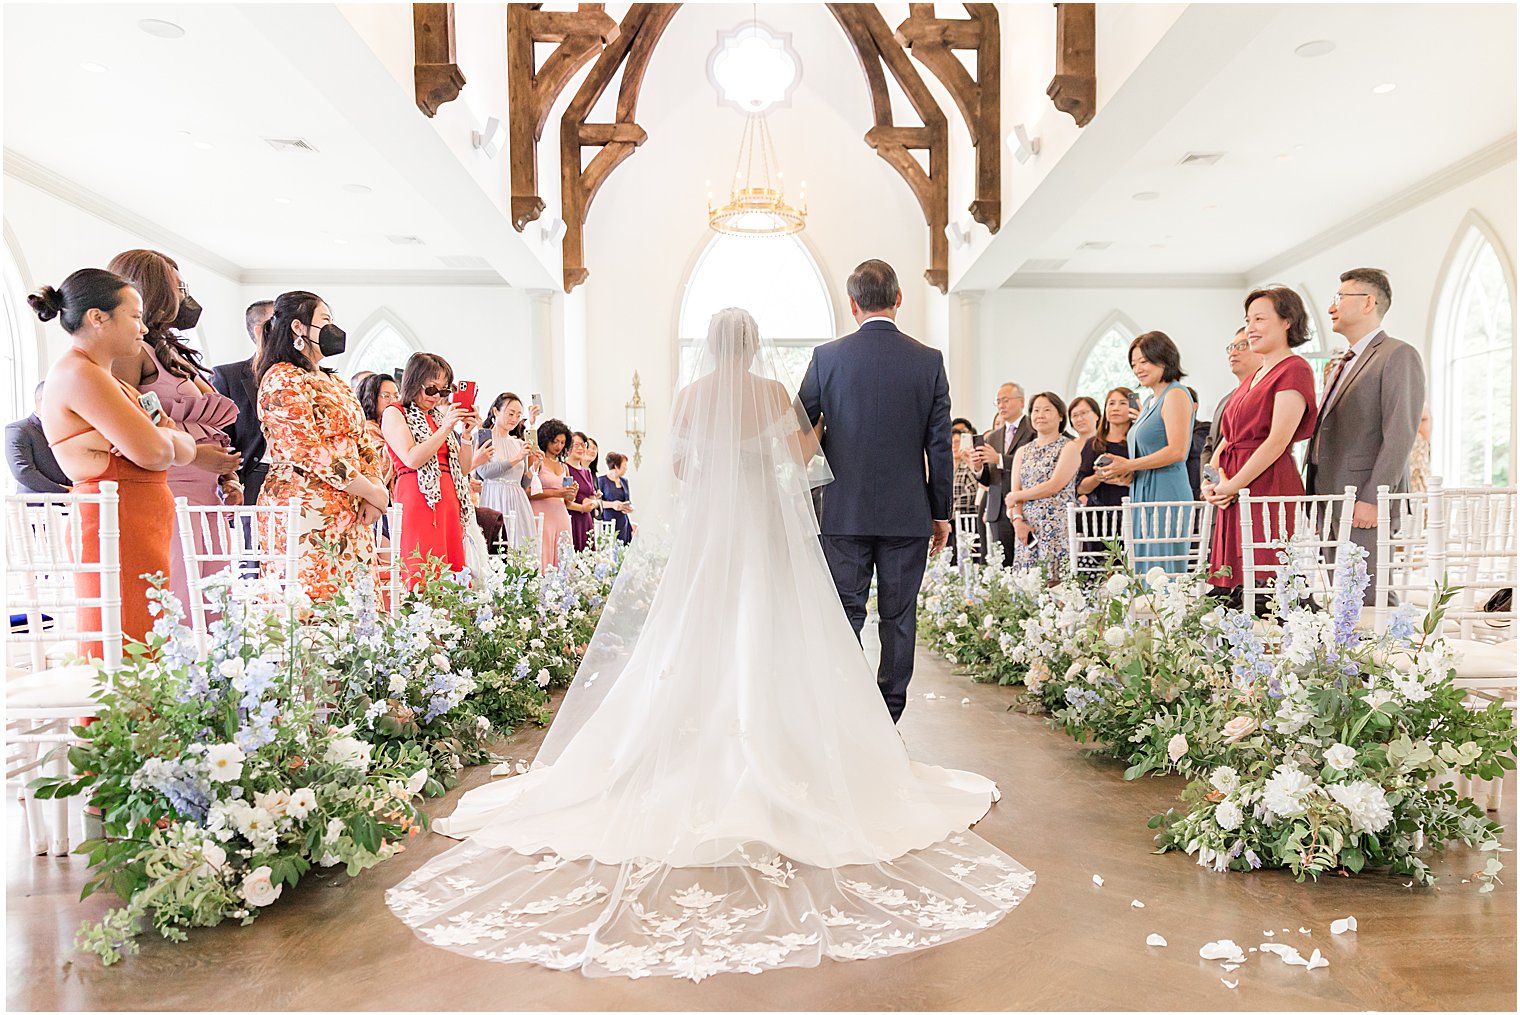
x: 1201, y: 158
x: 290, y: 144
x: 469, y: 261
x: 1043, y: 264
x: 406, y: 241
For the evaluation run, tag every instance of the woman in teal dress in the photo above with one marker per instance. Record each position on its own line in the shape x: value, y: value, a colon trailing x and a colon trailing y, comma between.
x: 1158, y: 448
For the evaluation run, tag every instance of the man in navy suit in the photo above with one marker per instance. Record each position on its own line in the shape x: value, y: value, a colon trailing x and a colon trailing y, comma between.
x: 885, y: 405
x: 236, y: 381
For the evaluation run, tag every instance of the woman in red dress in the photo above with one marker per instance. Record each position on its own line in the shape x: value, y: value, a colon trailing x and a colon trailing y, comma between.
x: 1269, y: 412
x: 431, y: 465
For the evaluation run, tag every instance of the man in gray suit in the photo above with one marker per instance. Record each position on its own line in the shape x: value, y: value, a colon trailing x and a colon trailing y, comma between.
x: 1370, y: 410
x: 31, y: 460
x: 995, y: 459
x: 1243, y: 363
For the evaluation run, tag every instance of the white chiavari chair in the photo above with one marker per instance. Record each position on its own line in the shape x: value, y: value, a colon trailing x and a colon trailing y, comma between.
x: 387, y: 561
x: 968, y: 542
x: 1173, y: 534
x: 1311, y: 525
x: 240, y: 539
x: 46, y: 689
x: 605, y: 534
x: 1089, y: 532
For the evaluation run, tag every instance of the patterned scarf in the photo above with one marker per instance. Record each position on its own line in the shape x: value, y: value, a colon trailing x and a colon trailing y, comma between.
x: 429, y: 475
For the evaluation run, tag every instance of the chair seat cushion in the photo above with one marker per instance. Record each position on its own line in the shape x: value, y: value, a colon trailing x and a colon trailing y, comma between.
x: 63, y: 688
x: 1475, y: 659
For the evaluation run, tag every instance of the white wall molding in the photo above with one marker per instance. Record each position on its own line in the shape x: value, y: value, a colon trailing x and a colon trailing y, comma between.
x: 295, y: 278
x: 1124, y: 280
x: 1485, y: 160
x: 37, y: 175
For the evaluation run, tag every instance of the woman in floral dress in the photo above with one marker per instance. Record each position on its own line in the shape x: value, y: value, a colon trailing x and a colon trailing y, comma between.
x: 318, y: 447
x: 1043, y: 483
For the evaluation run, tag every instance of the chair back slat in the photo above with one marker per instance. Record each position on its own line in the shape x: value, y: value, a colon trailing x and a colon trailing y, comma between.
x: 1173, y: 535
x: 218, y: 538
x: 1310, y: 525
x: 1089, y: 530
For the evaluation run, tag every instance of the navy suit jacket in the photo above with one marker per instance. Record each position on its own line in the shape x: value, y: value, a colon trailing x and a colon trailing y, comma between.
x: 235, y: 380
x: 885, y: 404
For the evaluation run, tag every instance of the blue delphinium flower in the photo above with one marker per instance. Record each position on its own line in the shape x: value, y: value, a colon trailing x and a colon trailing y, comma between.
x: 1401, y: 626
x: 1351, y: 581
x: 1247, y: 653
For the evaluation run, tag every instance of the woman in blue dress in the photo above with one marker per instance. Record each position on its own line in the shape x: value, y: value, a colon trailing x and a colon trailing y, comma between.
x: 1159, y: 442
x: 616, y: 500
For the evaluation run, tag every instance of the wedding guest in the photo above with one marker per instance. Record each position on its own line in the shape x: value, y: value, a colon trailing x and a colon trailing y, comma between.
x: 236, y: 381
x: 1195, y: 447
x: 583, y: 507
x: 594, y: 456
x: 1270, y: 410
x: 1043, y: 480
x: 431, y: 465
x: 1111, y: 439
x: 1243, y: 363
x: 100, y: 431
x: 995, y: 460
x: 966, y: 499
x: 1369, y: 413
x: 1419, y: 455
x: 1084, y: 415
x: 501, y: 478
x: 617, y: 502
x: 359, y: 377
x: 376, y: 393
x: 318, y: 447
x: 31, y: 460
x: 552, y: 493
x: 1159, y: 440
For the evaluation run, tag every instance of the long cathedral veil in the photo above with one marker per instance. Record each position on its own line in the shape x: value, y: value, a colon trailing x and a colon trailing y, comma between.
x: 722, y: 788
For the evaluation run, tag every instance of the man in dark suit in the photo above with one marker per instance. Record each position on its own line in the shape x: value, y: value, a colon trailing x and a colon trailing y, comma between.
x: 1243, y: 363
x: 995, y: 458
x: 236, y: 381
x: 30, y: 458
x: 1369, y: 412
x: 884, y: 400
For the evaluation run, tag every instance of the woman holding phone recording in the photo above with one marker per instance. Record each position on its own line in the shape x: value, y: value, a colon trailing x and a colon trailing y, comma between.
x: 431, y: 465
x: 552, y: 493
x: 501, y: 477
x: 587, y: 500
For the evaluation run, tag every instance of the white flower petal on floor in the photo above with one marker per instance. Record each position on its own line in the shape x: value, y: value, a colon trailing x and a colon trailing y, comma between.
x: 1342, y: 926
x: 1222, y: 949
x: 1232, y: 984
x: 1136, y: 904
x: 1317, y: 961
x: 1155, y: 941
x: 1230, y: 967
x: 1098, y: 880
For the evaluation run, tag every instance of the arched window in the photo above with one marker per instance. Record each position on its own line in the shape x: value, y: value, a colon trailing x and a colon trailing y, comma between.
x: 1317, y: 350
x: 384, y: 347
x: 776, y: 280
x: 1473, y: 383
x: 1106, y: 365
x: 20, y: 339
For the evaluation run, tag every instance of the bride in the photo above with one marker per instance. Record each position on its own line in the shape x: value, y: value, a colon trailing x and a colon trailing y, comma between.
x: 722, y: 788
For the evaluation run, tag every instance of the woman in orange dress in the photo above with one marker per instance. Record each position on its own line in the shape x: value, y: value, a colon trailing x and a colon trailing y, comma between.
x: 100, y: 432
x: 318, y: 448
x: 1269, y: 412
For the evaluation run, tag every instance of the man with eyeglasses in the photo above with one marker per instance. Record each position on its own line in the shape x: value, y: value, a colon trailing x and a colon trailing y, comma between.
x: 1369, y: 411
x: 1243, y: 363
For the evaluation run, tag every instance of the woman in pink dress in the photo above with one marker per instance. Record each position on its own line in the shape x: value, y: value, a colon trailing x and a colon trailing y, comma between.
x: 171, y: 369
x: 1269, y: 412
x: 549, y: 502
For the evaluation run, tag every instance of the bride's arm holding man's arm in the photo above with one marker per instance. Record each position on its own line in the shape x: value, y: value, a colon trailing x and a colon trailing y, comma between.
x: 941, y: 462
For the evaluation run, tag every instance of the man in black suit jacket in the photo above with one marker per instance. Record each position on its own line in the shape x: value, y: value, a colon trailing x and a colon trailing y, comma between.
x: 995, y: 458
x: 236, y: 381
x: 884, y: 401
x: 31, y: 460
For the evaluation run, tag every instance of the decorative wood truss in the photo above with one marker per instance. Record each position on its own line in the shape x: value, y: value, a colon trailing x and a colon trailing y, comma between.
x: 588, y: 34
x: 435, y: 76
x: 1074, y: 89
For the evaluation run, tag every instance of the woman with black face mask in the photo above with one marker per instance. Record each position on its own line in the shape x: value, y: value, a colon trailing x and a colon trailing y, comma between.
x: 167, y: 366
x: 318, y: 447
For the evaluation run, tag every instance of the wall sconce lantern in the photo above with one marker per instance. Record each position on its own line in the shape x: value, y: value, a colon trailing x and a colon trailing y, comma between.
x: 635, y: 420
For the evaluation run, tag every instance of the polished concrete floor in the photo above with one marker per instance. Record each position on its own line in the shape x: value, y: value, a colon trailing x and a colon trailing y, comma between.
x: 332, y: 944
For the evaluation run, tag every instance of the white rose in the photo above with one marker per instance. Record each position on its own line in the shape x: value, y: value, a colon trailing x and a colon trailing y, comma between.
x: 302, y: 802
x: 232, y: 669
x: 441, y: 661
x: 258, y: 889
x: 349, y: 752
x: 1238, y: 728
x: 1157, y: 578
x: 1176, y: 747
x: 226, y: 762
x: 1115, y: 636
x: 416, y: 782
x: 397, y: 685
x: 1116, y: 584
x: 543, y: 678
x: 275, y: 801
x: 1340, y: 757
x: 1227, y: 815
x: 214, y: 857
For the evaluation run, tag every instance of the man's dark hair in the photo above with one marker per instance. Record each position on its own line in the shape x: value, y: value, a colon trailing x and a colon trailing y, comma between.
x: 873, y: 286
x: 962, y: 421
x: 1377, y: 280
x: 255, y: 315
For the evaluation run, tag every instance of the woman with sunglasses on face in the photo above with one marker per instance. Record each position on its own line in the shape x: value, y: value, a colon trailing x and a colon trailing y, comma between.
x: 432, y: 465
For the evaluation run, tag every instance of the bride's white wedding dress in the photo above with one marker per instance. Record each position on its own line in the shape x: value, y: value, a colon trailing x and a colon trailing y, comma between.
x: 722, y: 789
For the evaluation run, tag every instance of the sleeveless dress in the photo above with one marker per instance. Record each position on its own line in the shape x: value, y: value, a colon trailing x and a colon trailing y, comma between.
x: 1168, y: 483
x: 1243, y: 428
x: 1046, y: 515
x: 581, y: 522
x: 501, y: 489
x: 143, y: 501
x: 202, y: 415
x: 556, y: 518
x: 427, y: 532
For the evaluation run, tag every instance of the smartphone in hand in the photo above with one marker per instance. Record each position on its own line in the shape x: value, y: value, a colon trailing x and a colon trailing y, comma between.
x: 1103, y: 461
x: 977, y: 440
x: 464, y: 394
x: 1211, y: 475
x: 152, y: 406
x: 1134, y: 401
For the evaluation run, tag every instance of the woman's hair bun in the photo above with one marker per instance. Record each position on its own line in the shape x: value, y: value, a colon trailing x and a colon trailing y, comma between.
x: 46, y: 302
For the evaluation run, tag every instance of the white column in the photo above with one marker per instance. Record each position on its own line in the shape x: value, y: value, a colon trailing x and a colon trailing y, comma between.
x: 965, y: 343
x: 546, y: 342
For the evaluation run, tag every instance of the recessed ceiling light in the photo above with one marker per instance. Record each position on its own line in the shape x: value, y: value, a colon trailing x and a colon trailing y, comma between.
x: 161, y: 29
x: 1384, y: 88
x: 1145, y: 195
x: 356, y: 188
x: 1319, y: 47
x: 93, y: 68
x: 204, y: 146
x: 1096, y: 245
x: 282, y: 200
x: 1298, y: 147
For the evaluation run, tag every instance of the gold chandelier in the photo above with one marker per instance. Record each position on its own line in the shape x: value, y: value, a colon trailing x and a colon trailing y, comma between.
x: 755, y: 207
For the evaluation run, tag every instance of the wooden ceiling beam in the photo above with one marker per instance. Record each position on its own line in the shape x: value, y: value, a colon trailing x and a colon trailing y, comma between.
x: 436, y: 78
x: 1074, y: 89
x: 933, y: 41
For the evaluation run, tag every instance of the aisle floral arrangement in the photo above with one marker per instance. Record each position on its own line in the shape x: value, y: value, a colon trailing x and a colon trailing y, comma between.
x: 1309, y: 744
x: 306, y: 731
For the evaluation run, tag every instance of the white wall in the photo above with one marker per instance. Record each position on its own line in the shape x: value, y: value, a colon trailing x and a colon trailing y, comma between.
x: 1036, y: 337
